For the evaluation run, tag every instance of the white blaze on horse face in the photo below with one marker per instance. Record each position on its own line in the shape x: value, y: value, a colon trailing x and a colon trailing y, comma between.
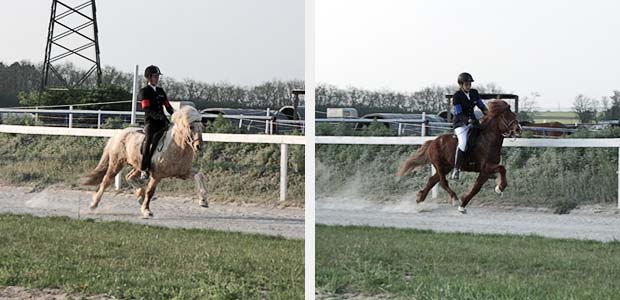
x: 196, y: 135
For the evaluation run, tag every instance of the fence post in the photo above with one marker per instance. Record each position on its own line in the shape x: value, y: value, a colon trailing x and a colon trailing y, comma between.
x: 283, y: 171
x: 267, y: 123
x: 400, y: 129
x: 134, y: 97
x: 434, y: 189
x: 70, y: 117
x: 99, y: 119
x: 423, y: 133
x: 117, y: 181
x: 36, y: 116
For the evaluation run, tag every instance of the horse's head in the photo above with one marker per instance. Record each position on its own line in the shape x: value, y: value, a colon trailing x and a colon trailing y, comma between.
x: 505, y: 118
x: 188, y: 128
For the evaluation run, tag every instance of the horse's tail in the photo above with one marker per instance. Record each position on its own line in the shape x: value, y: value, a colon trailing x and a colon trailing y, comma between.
x: 96, y: 176
x: 418, y: 159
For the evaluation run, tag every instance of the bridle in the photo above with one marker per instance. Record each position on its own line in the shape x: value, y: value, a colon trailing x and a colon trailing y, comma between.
x: 509, y: 132
x: 190, y: 139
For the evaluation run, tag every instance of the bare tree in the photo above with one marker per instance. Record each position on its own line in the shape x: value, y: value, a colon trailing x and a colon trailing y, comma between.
x: 527, y: 106
x: 585, y: 108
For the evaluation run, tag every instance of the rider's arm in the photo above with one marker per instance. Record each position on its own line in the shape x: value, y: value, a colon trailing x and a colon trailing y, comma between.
x: 458, y: 109
x: 169, y: 108
x: 481, y: 105
x: 459, y: 117
x: 146, y: 102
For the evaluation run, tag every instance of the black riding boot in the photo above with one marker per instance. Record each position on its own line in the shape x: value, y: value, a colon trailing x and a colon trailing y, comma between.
x: 149, y: 133
x: 458, y: 163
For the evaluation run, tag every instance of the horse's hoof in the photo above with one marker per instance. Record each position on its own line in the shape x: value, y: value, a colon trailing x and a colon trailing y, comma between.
x: 204, y: 204
x: 94, y: 206
x: 462, y: 210
x: 498, y: 190
x: 146, y: 214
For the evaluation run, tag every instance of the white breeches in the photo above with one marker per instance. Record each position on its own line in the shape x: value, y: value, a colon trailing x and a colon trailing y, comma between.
x: 461, y: 135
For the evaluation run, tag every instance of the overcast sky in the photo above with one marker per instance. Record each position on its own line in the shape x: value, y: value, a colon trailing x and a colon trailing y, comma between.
x: 238, y: 41
x: 556, y: 48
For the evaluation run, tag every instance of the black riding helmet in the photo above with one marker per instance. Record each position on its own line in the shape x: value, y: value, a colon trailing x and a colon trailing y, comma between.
x: 465, y: 77
x: 151, y: 70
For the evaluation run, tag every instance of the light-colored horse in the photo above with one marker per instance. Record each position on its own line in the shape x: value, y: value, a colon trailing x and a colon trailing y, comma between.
x: 173, y: 158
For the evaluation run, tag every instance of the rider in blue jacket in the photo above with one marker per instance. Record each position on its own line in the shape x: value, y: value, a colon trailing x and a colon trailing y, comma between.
x: 464, y: 101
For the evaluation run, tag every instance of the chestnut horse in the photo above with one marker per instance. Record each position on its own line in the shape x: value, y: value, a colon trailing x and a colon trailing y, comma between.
x: 483, y: 155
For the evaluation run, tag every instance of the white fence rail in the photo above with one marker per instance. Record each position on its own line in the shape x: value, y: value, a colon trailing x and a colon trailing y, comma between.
x: 265, y: 123
x: 520, y: 142
x: 283, y: 140
x: 402, y: 126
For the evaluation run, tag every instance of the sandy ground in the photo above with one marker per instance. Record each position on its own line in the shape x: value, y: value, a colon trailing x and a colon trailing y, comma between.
x: 168, y: 211
x: 601, y: 223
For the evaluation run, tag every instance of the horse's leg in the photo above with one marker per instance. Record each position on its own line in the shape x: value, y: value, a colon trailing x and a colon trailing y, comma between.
x: 502, y: 183
x: 482, y: 178
x: 132, y: 179
x: 421, y: 195
x: 105, y: 183
x: 201, y: 189
x: 443, y: 182
x: 150, y: 191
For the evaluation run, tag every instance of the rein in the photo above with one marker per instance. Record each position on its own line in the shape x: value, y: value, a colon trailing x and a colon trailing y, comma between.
x: 508, y: 132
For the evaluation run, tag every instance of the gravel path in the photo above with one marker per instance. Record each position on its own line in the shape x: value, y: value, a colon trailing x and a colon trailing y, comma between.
x: 600, y: 223
x: 168, y: 211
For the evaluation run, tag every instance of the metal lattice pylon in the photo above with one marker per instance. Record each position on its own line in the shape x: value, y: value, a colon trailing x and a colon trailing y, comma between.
x: 56, y: 41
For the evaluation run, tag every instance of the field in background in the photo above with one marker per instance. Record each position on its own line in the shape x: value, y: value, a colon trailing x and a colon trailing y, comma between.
x: 407, y: 264
x: 234, y: 172
x: 130, y: 261
x: 566, y: 117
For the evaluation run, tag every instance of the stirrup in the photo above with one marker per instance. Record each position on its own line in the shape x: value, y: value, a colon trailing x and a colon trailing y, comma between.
x: 144, y: 175
x: 455, y: 174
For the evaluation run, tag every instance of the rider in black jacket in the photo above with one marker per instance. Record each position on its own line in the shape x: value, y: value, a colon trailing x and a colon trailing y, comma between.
x: 464, y: 101
x: 154, y: 100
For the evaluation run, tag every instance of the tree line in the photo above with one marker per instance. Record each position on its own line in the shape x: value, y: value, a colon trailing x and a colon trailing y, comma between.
x: 20, y: 83
x: 429, y: 99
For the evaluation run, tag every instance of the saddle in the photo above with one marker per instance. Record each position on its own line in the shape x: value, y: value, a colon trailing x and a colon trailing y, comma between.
x: 159, y: 136
x: 472, y: 136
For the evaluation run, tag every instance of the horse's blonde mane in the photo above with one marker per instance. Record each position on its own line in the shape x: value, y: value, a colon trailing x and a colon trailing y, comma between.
x: 182, y: 119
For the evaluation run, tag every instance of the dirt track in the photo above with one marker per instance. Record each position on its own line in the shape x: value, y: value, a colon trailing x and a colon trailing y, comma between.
x: 168, y: 211
x: 600, y: 223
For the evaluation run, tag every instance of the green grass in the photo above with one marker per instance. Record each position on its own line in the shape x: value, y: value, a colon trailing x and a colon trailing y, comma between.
x: 566, y: 117
x: 131, y: 261
x: 414, y: 264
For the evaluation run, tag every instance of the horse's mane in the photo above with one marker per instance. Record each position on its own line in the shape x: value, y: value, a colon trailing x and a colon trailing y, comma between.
x: 182, y: 119
x: 496, y: 108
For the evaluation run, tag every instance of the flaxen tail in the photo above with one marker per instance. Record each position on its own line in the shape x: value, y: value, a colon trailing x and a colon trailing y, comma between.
x: 418, y: 159
x: 96, y: 176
